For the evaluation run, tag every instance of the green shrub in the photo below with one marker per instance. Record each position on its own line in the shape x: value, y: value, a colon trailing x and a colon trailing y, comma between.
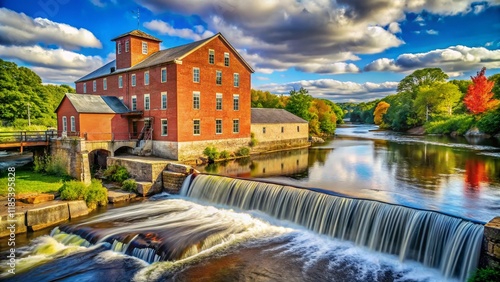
x: 94, y: 194
x: 53, y: 165
x: 253, y: 141
x: 490, y: 122
x: 73, y: 190
x: 129, y: 185
x: 116, y: 173
x: 459, y: 124
x: 224, y: 155
x: 211, y: 153
x: 243, y: 151
x: 485, y: 275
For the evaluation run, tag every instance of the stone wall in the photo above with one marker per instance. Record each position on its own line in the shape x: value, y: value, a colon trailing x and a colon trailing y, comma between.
x: 141, y: 169
x: 73, y: 154
x: 193, y: 150
x: 280, y: 131
x: 165, y: 149
x: 490, y: 254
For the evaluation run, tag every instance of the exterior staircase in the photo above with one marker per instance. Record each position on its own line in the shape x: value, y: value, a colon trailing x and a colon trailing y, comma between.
x: 144, y: 145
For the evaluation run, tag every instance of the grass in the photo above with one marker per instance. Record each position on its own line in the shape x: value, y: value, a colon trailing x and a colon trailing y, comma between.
x: 31, y: 182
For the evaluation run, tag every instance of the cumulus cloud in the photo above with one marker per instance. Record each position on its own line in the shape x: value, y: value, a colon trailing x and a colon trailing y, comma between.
x: 394, y: 27
x: 432, y: 32
x: 338, y: 91
x: 453, y: 60
x: 162, y: 27
x: 20, y: 29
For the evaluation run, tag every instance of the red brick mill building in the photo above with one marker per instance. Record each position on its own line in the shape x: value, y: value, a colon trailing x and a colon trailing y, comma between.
x: 179, y: 100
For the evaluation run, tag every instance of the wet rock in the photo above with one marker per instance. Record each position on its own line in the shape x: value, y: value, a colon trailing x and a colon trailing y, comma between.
x: 77, y: 208
x: 120, y: 196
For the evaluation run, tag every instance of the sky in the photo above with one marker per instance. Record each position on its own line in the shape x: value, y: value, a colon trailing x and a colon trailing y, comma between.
x: 341, y: 50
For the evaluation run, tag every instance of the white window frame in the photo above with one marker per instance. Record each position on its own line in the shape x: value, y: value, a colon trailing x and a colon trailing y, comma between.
x: 144, y: 47
x: 236, y: 102
x: 147, y: 102
x: 218, y: 101
x: 119, y: 48
x: 226, y: 59
x: 146, y: 78
x: 211, y: 56
x: 127, y: 46
x: 163, y: 71
x: 218, y: 77
x: 164, y: 127
x: 120, y: 81
x: 104, y: 84
x: 133, y: 103
x: 133, y: 80
x: 94, y: 85
x: 196, y: 100
x: 85, y: 87
x: 164, y: 100
x: 72, y: 124
x: 196, y: 75
x: 236, y: 122
x: 194, y: 127
x: 236, y: 79
x: 218, y: 126
x: 64, y: 124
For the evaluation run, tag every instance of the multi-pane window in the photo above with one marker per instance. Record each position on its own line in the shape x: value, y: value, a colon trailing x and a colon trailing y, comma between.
x: 164, y: 127
x: 164, y: 75
x: 236, y: 80
x: 218, y: 101
x: 133, y: 79
x: 134, y: 103
x: 196, y: 75
x: 236, y: 102
x: 211, y: 56
x: 196, y: 100
x: 144, y: 47
x: 94, y: 86
x: 218, y: 77
x: 119, y: 48
x: 120, y: 82
x: 146, y: 78
x: 236, y: 126
x: 163, y: 100
x: 264, y: 130
x: 226, y: 59
x: 146, y: 102
x: 218, y: 126
x: 196, y: 127
x: 64, y: 124
x: 105, y: 84
x: 72, y: 124
x: 85, y: 87
x: 127, y: 46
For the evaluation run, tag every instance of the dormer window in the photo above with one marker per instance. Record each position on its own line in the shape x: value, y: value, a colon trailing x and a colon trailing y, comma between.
x: 145, y: 48
x: 119, y: 48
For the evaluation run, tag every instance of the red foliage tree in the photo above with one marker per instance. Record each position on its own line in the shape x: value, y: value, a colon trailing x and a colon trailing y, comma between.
x: 479, y: 97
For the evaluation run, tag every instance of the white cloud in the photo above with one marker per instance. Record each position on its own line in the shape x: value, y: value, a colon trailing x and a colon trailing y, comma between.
x: 394, y: 27
x: 162, y: 27
x: 20, y: 29
x: 432, y: 32
x: 338, y: 91
x: 453, y: 60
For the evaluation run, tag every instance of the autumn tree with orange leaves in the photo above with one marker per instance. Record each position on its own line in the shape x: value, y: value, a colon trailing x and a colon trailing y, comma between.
x: 380, y: 110
x: 479, y: 97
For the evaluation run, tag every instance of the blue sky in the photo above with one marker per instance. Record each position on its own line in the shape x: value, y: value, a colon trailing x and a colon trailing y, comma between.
x: 342, y: 50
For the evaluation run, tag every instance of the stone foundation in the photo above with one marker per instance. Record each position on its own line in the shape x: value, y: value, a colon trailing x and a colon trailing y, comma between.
x: 490, y: 254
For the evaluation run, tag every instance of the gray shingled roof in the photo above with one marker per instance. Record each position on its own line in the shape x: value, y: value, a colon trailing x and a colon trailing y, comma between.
x: 264, y: 115
x: 137, y: 33
x: 85, y: 103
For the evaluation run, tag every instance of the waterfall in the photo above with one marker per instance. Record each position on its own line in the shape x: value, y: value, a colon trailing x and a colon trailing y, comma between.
x: 436, y: 240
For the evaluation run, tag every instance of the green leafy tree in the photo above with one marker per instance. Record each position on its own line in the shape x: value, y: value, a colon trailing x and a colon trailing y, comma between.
x: 299, y: 103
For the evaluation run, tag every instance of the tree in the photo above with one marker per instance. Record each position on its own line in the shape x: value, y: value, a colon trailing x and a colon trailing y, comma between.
x: 438, y: 98
x: 479, y: 97
x: 299, y: 103
x: 427, y: 76
x: 380, y: 110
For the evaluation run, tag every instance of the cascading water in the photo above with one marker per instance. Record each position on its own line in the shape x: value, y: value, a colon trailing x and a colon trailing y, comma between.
x: 436, y: 240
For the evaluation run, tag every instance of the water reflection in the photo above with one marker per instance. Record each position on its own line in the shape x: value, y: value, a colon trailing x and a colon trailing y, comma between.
x: 455, y: 178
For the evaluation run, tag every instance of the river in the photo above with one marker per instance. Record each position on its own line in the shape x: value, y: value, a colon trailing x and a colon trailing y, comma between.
x: 220, y: 229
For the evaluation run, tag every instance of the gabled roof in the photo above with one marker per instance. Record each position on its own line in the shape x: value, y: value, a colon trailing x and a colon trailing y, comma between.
x: 86, y: 103
x: 169, y: 55
x: 264, y: 115
x: 137, y: 33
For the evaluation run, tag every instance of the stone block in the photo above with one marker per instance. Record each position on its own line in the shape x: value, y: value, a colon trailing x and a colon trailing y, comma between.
x: 147, y: 188
x: 44, y: 217
x: 181, y: 168
x: 120, y: 196
x: 492, y: 230
x: 19, y: 220
x: 35, y: 198
x: 77, y: 208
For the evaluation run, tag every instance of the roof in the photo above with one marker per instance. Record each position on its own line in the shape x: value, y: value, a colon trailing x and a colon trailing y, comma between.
x: 86, y: 103
x: 169, y: 55
x: 137, y: 33
x: 264, y: 115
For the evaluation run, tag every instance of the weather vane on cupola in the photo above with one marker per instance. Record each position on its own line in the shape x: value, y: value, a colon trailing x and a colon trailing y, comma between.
x: 137, y: 15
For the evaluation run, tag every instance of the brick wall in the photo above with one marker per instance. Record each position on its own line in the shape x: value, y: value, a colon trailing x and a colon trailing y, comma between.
x: 66, y: 109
